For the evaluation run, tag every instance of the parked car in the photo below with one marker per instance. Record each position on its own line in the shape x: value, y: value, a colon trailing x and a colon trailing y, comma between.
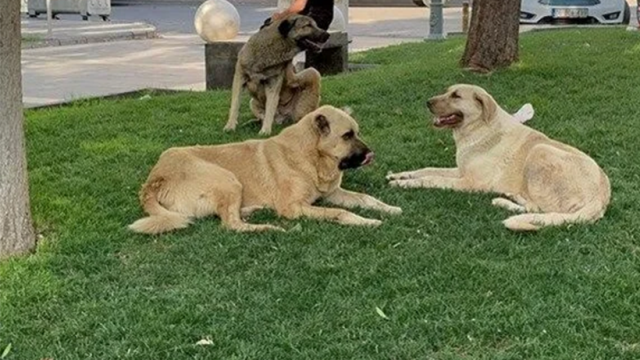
x: 584, y: 11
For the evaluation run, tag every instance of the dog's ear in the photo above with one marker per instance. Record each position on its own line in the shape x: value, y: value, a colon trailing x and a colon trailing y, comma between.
x: 488, y: 104
x: 285, y: 26
x: 322, y: 124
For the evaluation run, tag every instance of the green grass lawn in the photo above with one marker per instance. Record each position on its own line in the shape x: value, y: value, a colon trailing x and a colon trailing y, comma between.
x: 443, y: 281
x: 30, y: 39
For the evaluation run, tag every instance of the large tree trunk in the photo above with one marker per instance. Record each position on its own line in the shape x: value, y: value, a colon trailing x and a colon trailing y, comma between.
x: 492, y: 41
x: 16, y: 230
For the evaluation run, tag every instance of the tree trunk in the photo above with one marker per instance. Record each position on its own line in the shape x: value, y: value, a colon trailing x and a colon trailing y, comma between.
x: 16, y: 230
x: 492, y: 41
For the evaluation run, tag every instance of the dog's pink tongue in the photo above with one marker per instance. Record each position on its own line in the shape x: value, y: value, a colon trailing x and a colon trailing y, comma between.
x: 368, y: 158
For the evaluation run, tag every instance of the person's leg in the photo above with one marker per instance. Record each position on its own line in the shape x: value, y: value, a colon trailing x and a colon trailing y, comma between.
x: 322, y: 16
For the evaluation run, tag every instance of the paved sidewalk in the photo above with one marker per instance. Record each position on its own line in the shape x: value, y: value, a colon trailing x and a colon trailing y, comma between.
x: 54, y: 75
x: 176, y: 60
x: 72, y: 32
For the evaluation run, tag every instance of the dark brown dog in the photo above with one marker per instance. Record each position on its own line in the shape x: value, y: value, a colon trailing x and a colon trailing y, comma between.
x: 264, y: 68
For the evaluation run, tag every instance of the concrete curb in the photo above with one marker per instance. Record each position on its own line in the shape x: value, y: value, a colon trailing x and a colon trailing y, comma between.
x: 536, y: 28
x: 66, y: 40
x: 141, y: 93
x: 133, y: 94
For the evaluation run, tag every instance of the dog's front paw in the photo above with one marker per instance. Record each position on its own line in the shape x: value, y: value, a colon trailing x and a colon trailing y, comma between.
x: 264, y: 132
x: 398, y: 176
x: 393, y: 210
x: 276, y: 228
x: 266, y: 227
x: 371, y: 222
x: 246, y: 212
x: 229, y: 128
x: 406, y: 184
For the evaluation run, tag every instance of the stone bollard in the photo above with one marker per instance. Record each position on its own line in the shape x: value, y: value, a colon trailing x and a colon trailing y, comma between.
x: 334, y: 57
x: 343, y: 6
x: 218, y: 22
x: 220, y: 63
x: 436, y: 20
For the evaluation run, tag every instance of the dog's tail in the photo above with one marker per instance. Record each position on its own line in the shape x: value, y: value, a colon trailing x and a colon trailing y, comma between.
x: 160, y: 219
x: 590, y: 213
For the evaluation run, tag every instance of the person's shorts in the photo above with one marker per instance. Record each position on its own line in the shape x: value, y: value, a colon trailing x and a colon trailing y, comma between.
x: 323, y: 19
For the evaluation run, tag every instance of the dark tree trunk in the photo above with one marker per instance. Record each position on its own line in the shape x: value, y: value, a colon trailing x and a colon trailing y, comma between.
x: 16, y: 230
x: 492, y: 42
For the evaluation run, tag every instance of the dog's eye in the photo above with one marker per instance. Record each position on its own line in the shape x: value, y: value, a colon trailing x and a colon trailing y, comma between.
x: 455, y: 95
x: 348, y: 135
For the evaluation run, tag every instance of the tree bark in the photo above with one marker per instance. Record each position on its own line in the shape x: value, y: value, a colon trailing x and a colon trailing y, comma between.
x: 492, y: 41
x: 17, y: 235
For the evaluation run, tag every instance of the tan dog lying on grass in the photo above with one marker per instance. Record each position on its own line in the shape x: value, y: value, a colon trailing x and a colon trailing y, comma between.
x: 286, y: 173
x: 554, y: 182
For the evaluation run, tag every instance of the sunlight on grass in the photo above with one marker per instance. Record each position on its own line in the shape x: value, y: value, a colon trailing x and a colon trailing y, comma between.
x: 520, y: 65
x: 118, y: 145
x: 31, y: 38
x: 633, y: 50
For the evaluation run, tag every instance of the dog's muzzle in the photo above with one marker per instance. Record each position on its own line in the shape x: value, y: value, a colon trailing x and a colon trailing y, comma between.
x: 315, y: 43
x: 355, y: 160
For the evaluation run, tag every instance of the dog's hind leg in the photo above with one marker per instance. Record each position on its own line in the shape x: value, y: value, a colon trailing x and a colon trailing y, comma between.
x: 199, y: 188
x: 272, y: 92
x: 515, y: 203
x: 247, y: 211
x: 308, y: 88
x: 508, y: 204
x: 416, y: 174
x: 236, y: 92
x: 227, y: 196
x: 257, y: 109
x: 554, y: 189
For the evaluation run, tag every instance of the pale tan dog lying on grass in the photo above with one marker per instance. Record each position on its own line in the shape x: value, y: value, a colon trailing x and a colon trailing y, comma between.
x: 286, y: 173
x: 553, y: 182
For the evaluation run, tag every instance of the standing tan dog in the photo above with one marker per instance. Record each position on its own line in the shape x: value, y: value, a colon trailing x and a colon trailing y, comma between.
x: 556, y: 182
x: 265, y: 68
x: 287, y: 173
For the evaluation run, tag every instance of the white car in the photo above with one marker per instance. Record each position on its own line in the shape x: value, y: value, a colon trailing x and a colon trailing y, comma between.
x: 585, y: 11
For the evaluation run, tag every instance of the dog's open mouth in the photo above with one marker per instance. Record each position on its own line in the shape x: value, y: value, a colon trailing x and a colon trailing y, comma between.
x: 448, y: 120
x: 368, y: 159
x: 312, y: 45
